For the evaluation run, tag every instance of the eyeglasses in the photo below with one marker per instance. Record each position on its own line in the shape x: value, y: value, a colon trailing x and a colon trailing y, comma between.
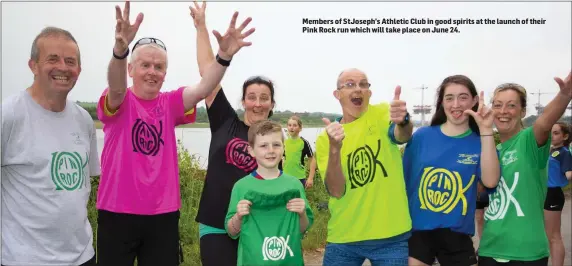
x: 352, y: 85
x: 149, y: 40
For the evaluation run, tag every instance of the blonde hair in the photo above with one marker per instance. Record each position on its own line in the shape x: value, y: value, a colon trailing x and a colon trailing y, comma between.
x: 297, y: 119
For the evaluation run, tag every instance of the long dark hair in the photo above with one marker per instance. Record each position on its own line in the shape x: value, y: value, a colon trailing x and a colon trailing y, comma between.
x: 565, y: 128
x: 260, y: 80
x: 439, y: 117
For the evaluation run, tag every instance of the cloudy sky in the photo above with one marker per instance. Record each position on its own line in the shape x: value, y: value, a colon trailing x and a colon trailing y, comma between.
x: 305, y: 66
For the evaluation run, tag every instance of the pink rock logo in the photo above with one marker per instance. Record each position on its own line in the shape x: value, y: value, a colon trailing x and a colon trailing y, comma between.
x: 237, y: 155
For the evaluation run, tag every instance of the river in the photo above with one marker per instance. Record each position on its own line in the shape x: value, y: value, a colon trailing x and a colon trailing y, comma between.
x: 197, y: 140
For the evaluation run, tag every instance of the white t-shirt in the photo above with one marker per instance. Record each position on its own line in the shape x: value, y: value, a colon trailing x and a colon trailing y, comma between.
x: 47, y: 161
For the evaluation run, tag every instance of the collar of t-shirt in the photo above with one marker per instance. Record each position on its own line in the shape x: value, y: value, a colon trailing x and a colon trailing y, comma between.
x: 257, y: 176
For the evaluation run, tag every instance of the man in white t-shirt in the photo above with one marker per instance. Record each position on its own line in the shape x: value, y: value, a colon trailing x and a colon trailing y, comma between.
x: 49, y: 152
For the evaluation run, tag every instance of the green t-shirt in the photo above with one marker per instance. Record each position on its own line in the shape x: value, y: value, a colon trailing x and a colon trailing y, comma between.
x: 374, y: 205
x: 295, y: 151
x: 270, y: 234
x: 514, y: 220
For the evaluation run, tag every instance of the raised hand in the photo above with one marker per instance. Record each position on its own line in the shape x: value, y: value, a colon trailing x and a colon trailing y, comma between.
x: 484, y: 115
x: 566, y: 85
x: 233, y: 39
x: 335, y: 132
x: 198, y: 14
x: 243, y: 208
x: 296, y: 205
x: 124, y: 30
x: 397, y: 108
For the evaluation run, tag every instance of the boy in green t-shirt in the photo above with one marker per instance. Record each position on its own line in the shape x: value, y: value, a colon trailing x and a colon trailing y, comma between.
x: 269, y: 233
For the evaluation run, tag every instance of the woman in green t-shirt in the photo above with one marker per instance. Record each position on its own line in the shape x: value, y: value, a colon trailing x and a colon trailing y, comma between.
x: 514, y: 222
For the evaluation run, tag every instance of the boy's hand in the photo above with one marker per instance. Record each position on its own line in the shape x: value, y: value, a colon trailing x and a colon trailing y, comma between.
x: 243, y: 208
x: 297, y: 205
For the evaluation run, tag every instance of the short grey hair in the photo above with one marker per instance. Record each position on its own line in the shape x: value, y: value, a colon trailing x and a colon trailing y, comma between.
x: 135, y: 53
x: 52, y: 32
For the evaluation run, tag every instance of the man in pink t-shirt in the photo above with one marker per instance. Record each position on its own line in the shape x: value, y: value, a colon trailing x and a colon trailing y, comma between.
x: 138, y: 198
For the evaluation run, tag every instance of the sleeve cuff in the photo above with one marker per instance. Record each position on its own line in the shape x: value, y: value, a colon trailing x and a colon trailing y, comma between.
x: 391, y: 134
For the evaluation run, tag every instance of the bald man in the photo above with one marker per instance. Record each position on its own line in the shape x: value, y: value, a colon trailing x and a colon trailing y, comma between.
x: 364, y: 176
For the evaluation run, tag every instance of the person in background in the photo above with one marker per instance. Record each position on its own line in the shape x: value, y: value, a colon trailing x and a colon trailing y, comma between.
x: 514, y: 231
x: 359, y: 158
x: 559, y: 174
x: 296, y: 150
x: 442, y: 165
x: 49, y: 152
x: 139, y: 198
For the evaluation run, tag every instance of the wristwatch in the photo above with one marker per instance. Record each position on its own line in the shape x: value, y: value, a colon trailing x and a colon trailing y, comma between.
x: 405, y: 120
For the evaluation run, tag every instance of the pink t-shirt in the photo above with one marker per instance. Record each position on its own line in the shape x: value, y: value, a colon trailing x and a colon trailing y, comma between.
x: 139, y: 163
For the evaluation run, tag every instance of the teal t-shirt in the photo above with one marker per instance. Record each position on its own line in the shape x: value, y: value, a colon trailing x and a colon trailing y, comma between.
x: 514, y: 220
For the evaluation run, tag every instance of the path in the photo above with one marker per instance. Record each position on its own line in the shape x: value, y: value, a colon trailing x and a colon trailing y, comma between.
x: 314, y: 258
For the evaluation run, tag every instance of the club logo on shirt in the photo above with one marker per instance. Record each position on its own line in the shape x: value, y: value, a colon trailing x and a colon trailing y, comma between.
x: 509, y: 157
x: 68, y: 170
x: 145, y: 138
x: 362, y: 165
x: 441, y: 190
x: 500, y: 201
x: 237, y: 155
x: 275, y: 248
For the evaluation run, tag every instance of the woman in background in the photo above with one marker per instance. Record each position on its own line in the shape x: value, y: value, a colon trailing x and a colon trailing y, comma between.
x: 559, y: 173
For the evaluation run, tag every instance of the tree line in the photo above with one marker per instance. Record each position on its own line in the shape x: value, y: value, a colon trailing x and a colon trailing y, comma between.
x: 308, y: 118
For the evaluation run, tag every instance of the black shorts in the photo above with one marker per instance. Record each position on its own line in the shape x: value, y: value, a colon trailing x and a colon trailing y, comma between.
x: 482, y: 201
x: 153, y: 239
x: 449, y: 247
x: 486, y: 261
x: 554, y: 199
x: 218, y: 250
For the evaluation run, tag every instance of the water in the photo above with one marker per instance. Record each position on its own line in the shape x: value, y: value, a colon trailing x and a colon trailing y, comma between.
x: 197, y: 140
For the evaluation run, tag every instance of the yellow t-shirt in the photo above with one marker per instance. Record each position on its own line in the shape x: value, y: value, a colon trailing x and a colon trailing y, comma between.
x: 374, y: 205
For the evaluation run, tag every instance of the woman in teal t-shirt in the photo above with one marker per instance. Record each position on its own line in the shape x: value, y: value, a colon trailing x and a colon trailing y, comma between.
x: 514, y: 221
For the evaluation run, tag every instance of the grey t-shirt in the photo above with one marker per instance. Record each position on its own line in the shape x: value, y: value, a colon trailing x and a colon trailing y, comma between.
x: 47, y: 161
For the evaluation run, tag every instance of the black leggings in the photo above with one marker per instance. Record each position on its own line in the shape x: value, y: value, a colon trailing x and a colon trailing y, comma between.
x: 218, y: 250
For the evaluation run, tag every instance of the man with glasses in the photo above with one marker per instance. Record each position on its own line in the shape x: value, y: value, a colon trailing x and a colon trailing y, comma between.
x: 359, y: 158
x: 139, y: 197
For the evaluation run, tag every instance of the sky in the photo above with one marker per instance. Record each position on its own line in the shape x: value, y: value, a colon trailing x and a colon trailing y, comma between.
x: 305, y: 66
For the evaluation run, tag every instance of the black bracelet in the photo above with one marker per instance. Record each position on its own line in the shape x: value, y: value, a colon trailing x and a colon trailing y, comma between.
x: 121, y: 57
x: 487, y: 135
x: 222, y: 61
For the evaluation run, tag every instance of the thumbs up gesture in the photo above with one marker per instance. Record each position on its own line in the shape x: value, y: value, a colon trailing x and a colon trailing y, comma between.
x: 335, y: 132
x: 398, y: 109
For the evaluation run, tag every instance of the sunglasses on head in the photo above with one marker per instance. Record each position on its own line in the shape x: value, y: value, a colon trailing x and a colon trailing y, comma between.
x: 149, y: 40
x: 511, y: 85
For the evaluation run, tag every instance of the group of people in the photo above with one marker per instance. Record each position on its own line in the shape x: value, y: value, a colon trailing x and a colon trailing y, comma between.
x: 385, y: 207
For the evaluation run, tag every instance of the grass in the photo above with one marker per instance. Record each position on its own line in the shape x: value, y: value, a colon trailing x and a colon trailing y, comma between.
x: 192, y: 178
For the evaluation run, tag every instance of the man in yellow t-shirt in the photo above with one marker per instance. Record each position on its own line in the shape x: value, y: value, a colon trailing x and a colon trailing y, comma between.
x: 359, y: 158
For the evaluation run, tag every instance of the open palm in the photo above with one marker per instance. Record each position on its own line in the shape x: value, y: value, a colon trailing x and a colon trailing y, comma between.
x: 124, y: 30
x: 233, y: 39
x: 565, y: 85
